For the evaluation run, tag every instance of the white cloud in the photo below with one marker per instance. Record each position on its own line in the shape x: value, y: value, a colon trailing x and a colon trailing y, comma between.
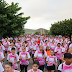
x: 44, y: 12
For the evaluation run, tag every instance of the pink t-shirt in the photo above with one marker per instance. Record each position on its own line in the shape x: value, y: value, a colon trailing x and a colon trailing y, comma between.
x: 59, y: 52
x: 24, y: 55
x: 66, y: 68
x: 44, y: 46
x: 51, y: 59
x: 52, y: 46
x: 40, y: 57
x: 13, y: 58
x: 31, y: 70
x: 6, y: 44
x: 2, y: 48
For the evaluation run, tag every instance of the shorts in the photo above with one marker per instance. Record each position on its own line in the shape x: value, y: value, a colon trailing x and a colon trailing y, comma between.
x: 51, y: 67
x: 32, y: 55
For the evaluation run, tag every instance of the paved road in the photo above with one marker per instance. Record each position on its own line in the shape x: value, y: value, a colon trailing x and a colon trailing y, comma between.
x: 29, y: 66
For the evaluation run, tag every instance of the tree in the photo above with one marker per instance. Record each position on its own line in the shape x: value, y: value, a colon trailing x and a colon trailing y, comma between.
x: 37, y: 33
x: 11, y: 23
x: 46, y: 31
x: 62, y: 27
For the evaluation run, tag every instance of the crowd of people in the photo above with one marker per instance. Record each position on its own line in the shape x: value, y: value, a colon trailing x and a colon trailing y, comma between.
x: 49, y: 53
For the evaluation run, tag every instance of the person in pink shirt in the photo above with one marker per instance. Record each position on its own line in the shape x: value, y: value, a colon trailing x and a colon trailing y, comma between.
x: 37, y: 47
x: 67, y: 65
x: 6, y: 43
x: 16, y: 39
x: 69, y: 51
x: 45, y: 45
x: 40, y: 55
x: 18, y: 45
x: 60, y: 41
x: 2, y: 57
x: 12, y: 57
x: 63, y: 49
x: 9, y: 67
x: 58, y: 51
x: 3, y: 40
x: 35, y: 67
x: 24, y: 58
x: 2, y: 48
x: 27, y: 47
x: 52, y: 45
x: 33, y: 48
x: 51, y: 61
x: 11, y: 46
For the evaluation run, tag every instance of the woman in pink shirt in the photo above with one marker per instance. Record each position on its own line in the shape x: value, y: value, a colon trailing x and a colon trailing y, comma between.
x: 24, y: 58
x: 40, y: 56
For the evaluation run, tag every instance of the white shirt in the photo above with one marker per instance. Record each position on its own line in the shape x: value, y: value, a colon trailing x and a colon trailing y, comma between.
x: 23, y: 56
x: 63, y: 49
x: 2, y: 48
x: 52, y: 60
x: 70, y: 46
x: 1, y: 68
x: 1, y: 56
x: 13, y: 58
x: 6, y: 43
x: 9, y: 49
x: 59, y: 50
x: 40, y: 55
x: 34, y: 47
x: 63, y: 69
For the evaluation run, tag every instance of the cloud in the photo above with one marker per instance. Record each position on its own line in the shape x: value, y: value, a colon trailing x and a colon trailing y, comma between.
x: 44, y: 12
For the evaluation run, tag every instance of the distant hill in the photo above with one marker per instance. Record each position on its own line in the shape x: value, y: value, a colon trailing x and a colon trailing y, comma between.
x: 30, y: 31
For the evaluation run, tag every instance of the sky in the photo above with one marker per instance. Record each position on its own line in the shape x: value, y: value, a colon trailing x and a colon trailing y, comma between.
x: 43, y: 13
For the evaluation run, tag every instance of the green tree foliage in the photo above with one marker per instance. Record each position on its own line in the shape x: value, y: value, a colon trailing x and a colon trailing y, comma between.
x: 62, y: 27
x: 46, y: 31
x: 37, y: 33
x: 11, y: 23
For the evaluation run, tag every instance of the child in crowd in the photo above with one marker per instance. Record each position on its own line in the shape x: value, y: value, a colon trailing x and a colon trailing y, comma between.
x: 24, y: 58
x: 13, y: 57
x: 35, y: 67
x: 51, y: 61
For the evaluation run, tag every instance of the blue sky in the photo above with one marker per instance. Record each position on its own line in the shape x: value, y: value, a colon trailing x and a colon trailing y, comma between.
x: 44, y: 12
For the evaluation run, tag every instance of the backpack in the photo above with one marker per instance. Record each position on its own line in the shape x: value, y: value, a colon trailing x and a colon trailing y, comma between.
x: 59, y: 70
